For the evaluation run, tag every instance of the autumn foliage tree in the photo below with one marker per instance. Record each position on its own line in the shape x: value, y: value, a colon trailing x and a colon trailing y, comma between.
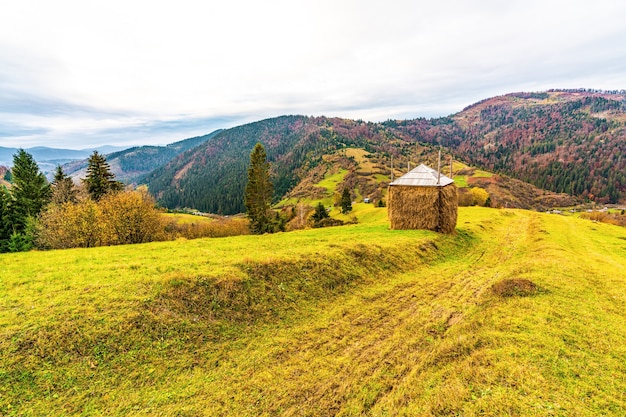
x: 118, y: 218
x: 131, y: 217
x: 71, y: 225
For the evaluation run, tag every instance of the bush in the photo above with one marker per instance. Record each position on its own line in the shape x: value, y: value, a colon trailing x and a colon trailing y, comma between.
x: 71, y: 225
x: 20, y: 242
x: 132, y: 217
x: 479, y: 196
x: 118, y: 218
x: 328, y: 222
x: 605, y: 217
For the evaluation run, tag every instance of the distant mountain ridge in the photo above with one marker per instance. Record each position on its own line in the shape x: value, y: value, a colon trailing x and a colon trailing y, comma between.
x: 571, y: 141
x: 565, y: 141
x: 44, y: 153
x: 132, y: 164
x: 49, y: 158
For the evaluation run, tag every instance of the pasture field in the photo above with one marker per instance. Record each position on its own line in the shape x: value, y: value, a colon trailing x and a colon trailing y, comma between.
x: 352, y: 320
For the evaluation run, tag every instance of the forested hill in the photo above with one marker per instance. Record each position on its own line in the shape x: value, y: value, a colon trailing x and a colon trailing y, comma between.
x: 130, y: 165
x: 212, y: 176
x: 563, y: 141
x: 568, y: 141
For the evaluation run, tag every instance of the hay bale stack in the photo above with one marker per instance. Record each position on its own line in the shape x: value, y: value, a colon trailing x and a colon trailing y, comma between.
x: 448, y: 208
x: 422, y: 199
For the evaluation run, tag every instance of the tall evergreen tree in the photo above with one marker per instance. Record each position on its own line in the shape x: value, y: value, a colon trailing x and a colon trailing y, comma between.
x: 346, y: 201
x: 259, y: 191
x: 20, y: 205
x: 100, y: 180
x: 63, y: 189
x: 30, y: 190
x: 320, y: 213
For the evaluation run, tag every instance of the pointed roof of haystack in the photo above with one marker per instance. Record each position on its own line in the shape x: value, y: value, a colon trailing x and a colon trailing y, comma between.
x: 423, y: 176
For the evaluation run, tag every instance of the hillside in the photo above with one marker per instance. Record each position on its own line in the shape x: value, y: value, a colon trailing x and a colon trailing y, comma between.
x: 132, y: 164
x: 520, y: 313
x: 303, y: 152
x: 368, y: 175
x: 564, y: 141
x: 561, y: 141
x: 212, y: 177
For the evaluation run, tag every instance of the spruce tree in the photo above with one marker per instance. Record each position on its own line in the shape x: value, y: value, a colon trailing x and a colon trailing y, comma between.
x: 100, y: 180
x: 63, y: 190
x: 346, y: 201
x: 319, y: 214
x: 259, y: 191
x: 30, y: 190
x: 20, y: 205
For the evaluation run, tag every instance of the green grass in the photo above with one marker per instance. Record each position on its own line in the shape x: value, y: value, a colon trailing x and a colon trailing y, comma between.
x: 461, y: 181
x: 352, y: 320
x: 184, y: 218
x: 330, y: 181
x: 482, y: 174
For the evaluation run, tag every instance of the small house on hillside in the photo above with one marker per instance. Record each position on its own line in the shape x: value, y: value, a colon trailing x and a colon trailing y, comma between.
x: 423, y: 199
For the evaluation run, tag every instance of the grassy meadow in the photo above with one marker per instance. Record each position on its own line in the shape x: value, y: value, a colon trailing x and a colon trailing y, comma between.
x: 352, y: 320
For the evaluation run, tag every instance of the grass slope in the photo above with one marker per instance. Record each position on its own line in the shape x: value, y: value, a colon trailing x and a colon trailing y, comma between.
x: 353, y: 320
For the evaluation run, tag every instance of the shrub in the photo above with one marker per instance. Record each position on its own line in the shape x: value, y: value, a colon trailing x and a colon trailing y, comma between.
x: 328, y: 222
x: 71, y: 225
x: 479, y: 196
x: 132, y: 217
x: 118, y: 218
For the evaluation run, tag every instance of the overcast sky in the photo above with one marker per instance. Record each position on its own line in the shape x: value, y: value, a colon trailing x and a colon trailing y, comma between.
x: 85, y: 73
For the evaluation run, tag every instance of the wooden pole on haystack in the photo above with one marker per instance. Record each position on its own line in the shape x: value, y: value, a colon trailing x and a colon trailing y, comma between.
x: 391, y: 167
x: 439, y: 168
x: 451, y: 175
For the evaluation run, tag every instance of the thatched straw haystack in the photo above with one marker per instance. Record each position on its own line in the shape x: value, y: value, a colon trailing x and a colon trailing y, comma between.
x: 422, y: 199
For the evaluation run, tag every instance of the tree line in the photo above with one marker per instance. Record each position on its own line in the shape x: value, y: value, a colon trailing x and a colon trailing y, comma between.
x: 61, y: 214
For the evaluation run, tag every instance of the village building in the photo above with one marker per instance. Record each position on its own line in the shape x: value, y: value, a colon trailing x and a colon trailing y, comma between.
x: 423, y: 199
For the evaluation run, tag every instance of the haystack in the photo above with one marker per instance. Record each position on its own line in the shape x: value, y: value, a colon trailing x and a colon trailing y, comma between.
x: 423, y: 199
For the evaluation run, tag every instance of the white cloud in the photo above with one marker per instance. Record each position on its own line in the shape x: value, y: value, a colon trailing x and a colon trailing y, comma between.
x: 133, y: 62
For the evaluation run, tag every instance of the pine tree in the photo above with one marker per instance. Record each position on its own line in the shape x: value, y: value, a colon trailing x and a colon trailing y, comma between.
x: 259, y: 191
x: 30, y: 190
x: 20, y: 205
x: 100, y: 180
x: 346, y: 201
x: 320, y: 213
x: 63, y: 189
